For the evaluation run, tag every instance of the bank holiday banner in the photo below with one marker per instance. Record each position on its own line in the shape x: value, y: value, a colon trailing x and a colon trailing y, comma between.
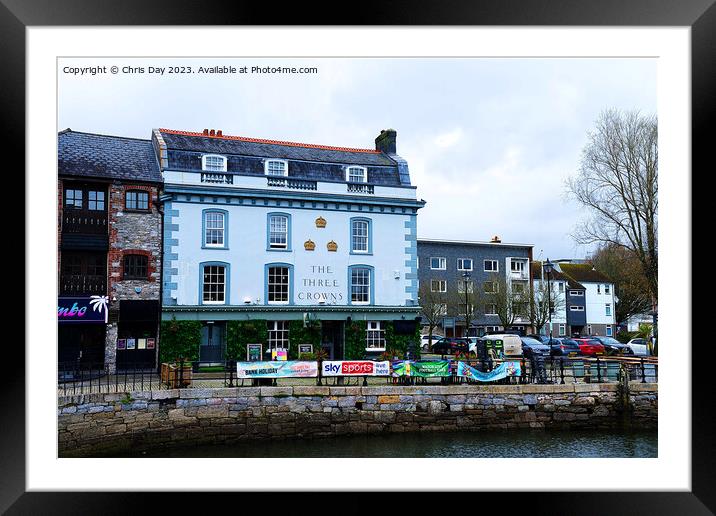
x: 277, y: 369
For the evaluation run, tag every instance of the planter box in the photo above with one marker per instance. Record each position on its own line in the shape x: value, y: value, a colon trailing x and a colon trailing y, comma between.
x: 170, y: 375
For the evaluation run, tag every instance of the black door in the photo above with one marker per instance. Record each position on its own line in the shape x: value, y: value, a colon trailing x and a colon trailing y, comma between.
x: 212, y: 342
x: 332, y: 339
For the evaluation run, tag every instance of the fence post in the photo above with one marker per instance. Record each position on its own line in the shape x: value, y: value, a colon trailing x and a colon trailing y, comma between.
x: 232, y: 364
x: 561, y: 370
x: 320, y: 372
x: 643, y: 373
x: 599, y: 372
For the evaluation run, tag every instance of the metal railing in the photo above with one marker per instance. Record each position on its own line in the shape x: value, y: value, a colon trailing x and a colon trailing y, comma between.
x: 81, y: 284
x: 217, y: 178
x: 84, y: 221
x: 295, y: 184
x: 82, y: 378
x: 360, y: 188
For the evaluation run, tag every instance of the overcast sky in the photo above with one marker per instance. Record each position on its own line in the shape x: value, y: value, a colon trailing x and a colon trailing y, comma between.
x: 489, y: 142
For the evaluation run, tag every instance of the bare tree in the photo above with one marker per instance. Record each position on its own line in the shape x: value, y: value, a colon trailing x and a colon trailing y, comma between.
x: 544, y: 297
x: 509, y: 303
x: 617, y: 183
x: 624, y: 269
x: 434, y: 306
x: 469, y: 300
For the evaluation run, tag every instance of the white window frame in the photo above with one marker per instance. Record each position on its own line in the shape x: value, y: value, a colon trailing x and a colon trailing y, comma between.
x: 561, y: 287
x: 495, y: 263
x: 562, y: 330
x: 599, y: 288
x: 442, y: 285
x: 461, y: 286
x: 576, y: 308
x: 608, y: 309
x: 443, y: 262
x: 267, y: 165
x: 491, y: 312
x: 374, y: 333
x: 589, y: 329
x: 367, y: 285
x: 576, y: 293
x: 443, y: 308
x: 222, y: 229
x: 361, y: 237
x: 461, y: 264
x: 203, y: 285
x: 278, y: 334
x: 364, y: 174
x: 607, y: 289
x: 278, y: 245
x: 609, y: 331
x: 496, y: 289
x: 209, y: 156
x: 518, y: 261
x: 287, y: 284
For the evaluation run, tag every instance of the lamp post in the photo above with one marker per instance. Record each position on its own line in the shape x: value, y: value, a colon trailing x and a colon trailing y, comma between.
x: 466, y: 277
x: 548, y: 267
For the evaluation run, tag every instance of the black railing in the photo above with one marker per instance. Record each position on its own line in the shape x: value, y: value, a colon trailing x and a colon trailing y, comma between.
x: 81, y: 378
x: 81, y: 284
x: 84, y: 221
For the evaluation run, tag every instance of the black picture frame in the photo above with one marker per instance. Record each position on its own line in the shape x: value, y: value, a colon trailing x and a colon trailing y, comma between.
x: 17, y: 15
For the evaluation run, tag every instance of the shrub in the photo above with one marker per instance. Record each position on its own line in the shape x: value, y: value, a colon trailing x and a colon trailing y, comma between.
x: 180, y: 339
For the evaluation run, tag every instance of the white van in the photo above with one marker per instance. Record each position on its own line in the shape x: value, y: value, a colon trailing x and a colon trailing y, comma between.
x: 503, y: 345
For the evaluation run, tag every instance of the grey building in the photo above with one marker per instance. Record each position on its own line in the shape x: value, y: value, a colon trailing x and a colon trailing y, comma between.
x: 457, y: 274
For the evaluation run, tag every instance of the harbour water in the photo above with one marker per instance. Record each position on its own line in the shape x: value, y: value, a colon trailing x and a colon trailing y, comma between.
x: 514, y: 443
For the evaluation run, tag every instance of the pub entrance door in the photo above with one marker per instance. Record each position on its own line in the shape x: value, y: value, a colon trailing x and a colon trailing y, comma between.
x: 332, y: 339
x: 212, y: 342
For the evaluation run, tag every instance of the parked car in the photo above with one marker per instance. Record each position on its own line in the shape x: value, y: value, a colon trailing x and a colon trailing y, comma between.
x: 450, y: 345
x: 613, y: 347
x: 426, y: 343
x: 532, y: 347
x: 563, y: 347
x: 639, y: 347
x: 590, y: 347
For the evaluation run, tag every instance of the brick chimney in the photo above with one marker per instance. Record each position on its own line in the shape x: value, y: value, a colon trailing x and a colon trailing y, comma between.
x: 495, y: 240
x: 385, y: 142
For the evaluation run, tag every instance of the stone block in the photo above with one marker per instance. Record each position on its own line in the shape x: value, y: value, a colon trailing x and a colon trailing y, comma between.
x: 275, y: 391
x: 311, y: 390
x: 389, y: 399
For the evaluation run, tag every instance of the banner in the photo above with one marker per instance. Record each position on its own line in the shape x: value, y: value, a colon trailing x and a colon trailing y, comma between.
x: 92, y: 309
x: 355, y: 368
x: 283, y: 369
x: 427, y: 369
x: 504, y: 370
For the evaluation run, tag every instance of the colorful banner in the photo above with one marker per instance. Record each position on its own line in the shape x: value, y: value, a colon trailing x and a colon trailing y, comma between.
x: 282, y: 369
x: 93, y: 309
x: 504, y: 370
x: 355, y: 368
x: 427, y: 369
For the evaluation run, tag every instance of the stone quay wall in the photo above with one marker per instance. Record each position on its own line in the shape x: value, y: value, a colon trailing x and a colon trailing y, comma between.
x: 105, y: 423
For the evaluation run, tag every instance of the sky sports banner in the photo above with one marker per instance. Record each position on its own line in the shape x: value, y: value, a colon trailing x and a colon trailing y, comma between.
x: 427, y: 369
x: 355, y: 368
x: 504, y: 370
x: 277, y: 369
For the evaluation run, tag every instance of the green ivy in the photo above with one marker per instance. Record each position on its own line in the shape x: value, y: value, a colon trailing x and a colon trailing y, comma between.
x: 180, y: 339
x: 355, y: 340
x: 241, y: 333
x: 399, y: 343
x: 298, y: 334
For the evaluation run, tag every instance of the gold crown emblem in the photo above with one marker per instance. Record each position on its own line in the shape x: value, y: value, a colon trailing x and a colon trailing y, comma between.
x: 320, y: 222
x: 309, y: 245
x: 332, y: 246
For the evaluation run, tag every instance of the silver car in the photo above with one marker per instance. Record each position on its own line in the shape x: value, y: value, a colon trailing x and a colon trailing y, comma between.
x: 639, y: 347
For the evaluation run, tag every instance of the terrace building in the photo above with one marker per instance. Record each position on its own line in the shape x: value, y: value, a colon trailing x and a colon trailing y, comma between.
x: 109, y: 251
x: 456, y: 268
x: 569, y: 315
x: 281, y: 232
x: 598, y: 301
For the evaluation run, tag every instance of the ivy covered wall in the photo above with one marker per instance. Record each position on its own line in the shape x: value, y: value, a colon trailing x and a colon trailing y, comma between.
x: 180, y: 339
x: 241, y: 333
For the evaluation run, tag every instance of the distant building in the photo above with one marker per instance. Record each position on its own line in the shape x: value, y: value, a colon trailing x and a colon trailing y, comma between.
x: 451, y: 267
x: 109, y: 255
x: 598, y: 302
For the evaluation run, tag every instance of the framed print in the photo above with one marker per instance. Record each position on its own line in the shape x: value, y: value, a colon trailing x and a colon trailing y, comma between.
x: 421, y: 118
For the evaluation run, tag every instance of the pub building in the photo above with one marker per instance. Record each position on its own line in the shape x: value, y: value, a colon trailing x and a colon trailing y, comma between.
x: 109, y: 251
x: 280, y: 232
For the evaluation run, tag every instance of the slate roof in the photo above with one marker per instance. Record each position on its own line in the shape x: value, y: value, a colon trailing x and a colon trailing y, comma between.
x: 106, y: 157
x: 556, y: 276
x: 584, y: 272
x: 240, y: 145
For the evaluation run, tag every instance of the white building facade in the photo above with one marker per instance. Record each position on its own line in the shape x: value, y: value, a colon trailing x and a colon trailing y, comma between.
x: 281, y: 231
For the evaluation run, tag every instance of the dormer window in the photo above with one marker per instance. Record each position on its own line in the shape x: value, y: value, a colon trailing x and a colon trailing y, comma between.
x: 213, y: 163
x: 276, y: 167
x: 356, y: 175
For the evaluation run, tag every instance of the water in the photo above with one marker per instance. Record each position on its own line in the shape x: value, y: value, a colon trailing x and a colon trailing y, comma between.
x: 487, y: 444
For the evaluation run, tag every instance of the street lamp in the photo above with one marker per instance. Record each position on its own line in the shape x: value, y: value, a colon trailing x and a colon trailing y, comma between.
x: 548, y: 268
x: 466, y: 277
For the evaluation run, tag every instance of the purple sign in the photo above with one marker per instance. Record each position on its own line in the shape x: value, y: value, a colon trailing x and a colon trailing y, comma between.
x: 92, y: 309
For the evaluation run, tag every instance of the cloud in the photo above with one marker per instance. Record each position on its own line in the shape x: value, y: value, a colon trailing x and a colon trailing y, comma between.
x: 450, y: 139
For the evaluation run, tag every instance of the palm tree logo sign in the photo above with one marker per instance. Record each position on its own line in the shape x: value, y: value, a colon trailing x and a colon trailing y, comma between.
x: 99, y: 304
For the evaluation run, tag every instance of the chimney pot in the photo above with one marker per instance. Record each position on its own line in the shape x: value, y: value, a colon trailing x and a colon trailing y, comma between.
x: 206, y: 132
x: 212, y: 133
x: 496, y: 240
x: 219, y: 133
x: 385, y: 142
